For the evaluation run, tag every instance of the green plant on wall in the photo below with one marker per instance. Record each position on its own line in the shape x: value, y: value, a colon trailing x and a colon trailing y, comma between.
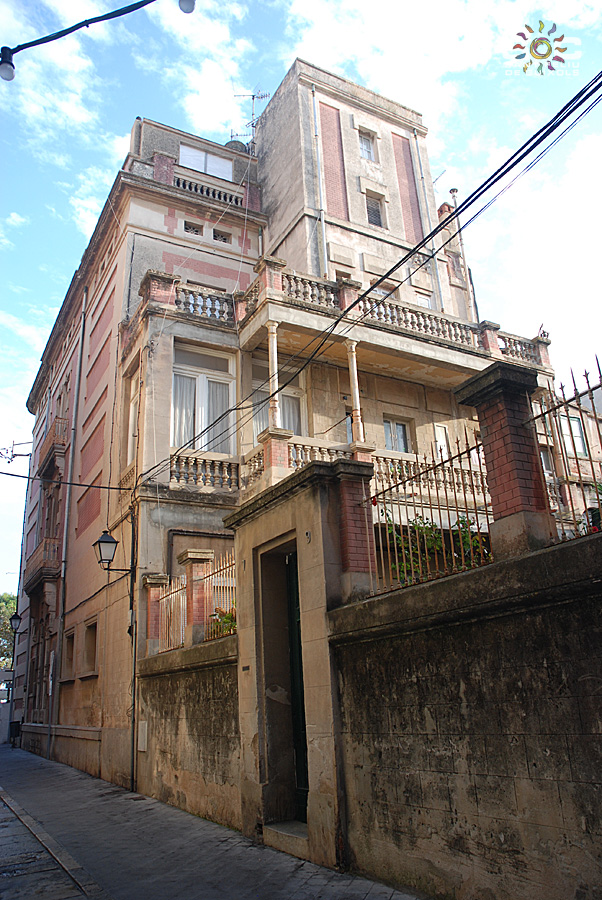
x: 224, y: 621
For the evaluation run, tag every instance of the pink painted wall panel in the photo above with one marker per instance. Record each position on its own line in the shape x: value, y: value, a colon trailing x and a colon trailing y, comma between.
x: 408, y: 192
x: 333, y: 162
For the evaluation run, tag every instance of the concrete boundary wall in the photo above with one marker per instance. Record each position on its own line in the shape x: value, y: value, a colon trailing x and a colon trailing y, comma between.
x: 188, y: 744
x: 471, y: 729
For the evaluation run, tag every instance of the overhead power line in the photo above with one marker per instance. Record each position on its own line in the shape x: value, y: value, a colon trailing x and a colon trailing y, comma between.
x: 586, y: 93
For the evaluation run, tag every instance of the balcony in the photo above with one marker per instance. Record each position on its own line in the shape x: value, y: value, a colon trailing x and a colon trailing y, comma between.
x: 43, y: 563
x: 399, y: 331
x: 54, y: 444
x: 206, y: 306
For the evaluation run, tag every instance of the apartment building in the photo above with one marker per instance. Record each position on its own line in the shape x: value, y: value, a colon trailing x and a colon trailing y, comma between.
x: 199, y: 370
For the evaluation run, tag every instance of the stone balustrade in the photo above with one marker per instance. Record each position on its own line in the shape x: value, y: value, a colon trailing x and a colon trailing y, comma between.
x: 201, y: 471
x: 253, y: 467
x: 300, y: 453
x: 458, y: 480
x: 424, y: 322
x: 518, y: 349
x: 205, y: 303
x: 209, y: 191
x: 314, y: 291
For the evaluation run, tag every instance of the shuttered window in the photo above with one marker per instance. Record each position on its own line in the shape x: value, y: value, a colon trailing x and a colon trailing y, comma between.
x: 374, y: 211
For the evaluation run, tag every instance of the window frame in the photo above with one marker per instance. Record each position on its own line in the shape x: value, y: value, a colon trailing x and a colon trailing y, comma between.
x: 438, y: 443
x: 378, y: 200
x: 578, y: 436
x: 68, y: 671
x: 396, y: 422
x: 88, y: 668
x: 289, y: 391
x: 202, y: 377
x: 133, y: 407
x: 367, y: 143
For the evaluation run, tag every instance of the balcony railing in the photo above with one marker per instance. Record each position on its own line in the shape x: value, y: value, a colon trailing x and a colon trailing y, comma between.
x: 300, y: 453
x: 205, y: 303
x: 423, y: 322
x: 210, y: 191
x: 202, y: 471
x: 55, y: 438
x: 43, y: 562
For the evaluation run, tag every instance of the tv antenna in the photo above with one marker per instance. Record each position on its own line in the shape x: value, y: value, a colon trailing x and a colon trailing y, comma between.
x: 256, y: 95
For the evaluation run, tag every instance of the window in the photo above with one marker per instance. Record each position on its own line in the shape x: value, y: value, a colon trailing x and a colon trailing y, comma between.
x: 546, y: 460
x: 374, y: 210
x: 388, y: 291
x: 201, y: 161
x: 133, y: 407
x: 441, y: 442
x: 192, y: 228
x: 290, y: 400
x: 223, y: 236
x: 397, y: 436
x: 572, y: 433
x: 90, y: 648
x: 349, y: 425
x: 68, y: 655
x: 203, y: 392
x: 366, y: 146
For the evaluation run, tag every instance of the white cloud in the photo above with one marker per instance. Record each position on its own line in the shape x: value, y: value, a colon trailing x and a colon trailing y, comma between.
x: 537, y: 232
x: 35, y: 336
x: 13, y: 220
x: 87, y: 199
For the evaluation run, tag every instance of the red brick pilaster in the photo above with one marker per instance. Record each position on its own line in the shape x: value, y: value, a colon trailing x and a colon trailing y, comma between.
x: 348, y: 292
x: 198, y: 564
x: 542, y: 344
x: 356, y: 531
x: 275, y: 453
x: 154, y: 585
x: 521, y: 513
x: 269, y: 269
x: 163, y: 168
x: 488, y: 331
x: 159, y: 287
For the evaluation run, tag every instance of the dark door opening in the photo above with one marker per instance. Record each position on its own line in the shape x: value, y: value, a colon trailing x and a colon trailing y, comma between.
x: 297, y: 693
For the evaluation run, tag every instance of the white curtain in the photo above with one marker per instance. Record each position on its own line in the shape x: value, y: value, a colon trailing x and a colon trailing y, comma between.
x: 184, y: 404
x: 218, y: 436
x: 260, y: 413
x: 290, y: 408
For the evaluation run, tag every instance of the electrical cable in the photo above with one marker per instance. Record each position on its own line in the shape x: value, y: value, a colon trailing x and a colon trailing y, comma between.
x: 535, y: 140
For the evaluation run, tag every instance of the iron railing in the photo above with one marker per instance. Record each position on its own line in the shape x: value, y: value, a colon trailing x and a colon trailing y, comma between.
x: 216, y: 592
x: 428, y: 518
x: 569, y: 435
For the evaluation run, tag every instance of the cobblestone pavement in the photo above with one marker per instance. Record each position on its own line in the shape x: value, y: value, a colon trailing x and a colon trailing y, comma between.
x: 64, y: 834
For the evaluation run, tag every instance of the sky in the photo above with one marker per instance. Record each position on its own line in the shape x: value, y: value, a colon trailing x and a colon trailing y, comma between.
x: 67, y: 115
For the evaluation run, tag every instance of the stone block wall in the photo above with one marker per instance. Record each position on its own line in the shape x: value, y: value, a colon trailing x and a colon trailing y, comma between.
x: 471, y: 730
x: 188, y: 749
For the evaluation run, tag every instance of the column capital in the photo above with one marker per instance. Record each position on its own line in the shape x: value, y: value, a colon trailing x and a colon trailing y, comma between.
x: 497, y: 379
x: 195, y: 556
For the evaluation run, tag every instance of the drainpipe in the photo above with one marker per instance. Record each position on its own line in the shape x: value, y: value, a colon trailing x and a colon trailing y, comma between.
x: 467, y: 272
x: 53, y: 708
x: 320, y: 195
x: 434, y: 262
x: 134, y: 636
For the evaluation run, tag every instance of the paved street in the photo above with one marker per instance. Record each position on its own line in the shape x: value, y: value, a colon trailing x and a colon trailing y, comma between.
x: 64, y: 834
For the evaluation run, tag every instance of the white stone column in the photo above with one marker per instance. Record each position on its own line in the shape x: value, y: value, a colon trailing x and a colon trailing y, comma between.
x: 274, y: 418
x: 357, y: 426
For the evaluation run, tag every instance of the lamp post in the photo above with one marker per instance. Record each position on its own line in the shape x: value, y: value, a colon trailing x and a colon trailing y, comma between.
x: 15, y: 621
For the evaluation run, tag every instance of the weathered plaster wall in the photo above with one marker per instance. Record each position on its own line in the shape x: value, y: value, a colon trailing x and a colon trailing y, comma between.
x: 471, y: 730
x: 188, y: 707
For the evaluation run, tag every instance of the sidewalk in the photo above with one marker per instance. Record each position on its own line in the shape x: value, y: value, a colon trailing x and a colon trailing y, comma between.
x: 94, y: 839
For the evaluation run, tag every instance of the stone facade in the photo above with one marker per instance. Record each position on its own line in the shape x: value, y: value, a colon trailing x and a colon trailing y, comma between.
x: 180, y: 408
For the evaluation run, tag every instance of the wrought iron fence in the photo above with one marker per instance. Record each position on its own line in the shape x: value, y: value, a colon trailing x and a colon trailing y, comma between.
x: 172, y: 615
x: 215, y: 599
x: 220, y: 598
x: 569, y: 435
x: 429, y: 518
